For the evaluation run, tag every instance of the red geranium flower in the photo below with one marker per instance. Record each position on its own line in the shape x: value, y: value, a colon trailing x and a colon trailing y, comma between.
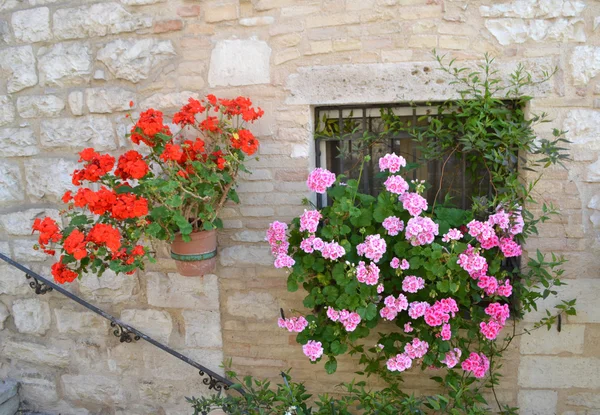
x: 105, y: 235
x: 61, y: 273
x: 131, y: 165
x: 74, y: 244
x: 172, y: 152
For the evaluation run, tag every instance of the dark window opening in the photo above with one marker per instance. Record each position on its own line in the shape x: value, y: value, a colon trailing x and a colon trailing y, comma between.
x: 339, y: 143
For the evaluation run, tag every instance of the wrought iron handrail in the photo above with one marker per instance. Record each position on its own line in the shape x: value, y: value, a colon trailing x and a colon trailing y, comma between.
x: 125, y: 332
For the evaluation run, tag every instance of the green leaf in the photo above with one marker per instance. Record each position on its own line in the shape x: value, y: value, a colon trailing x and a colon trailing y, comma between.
x: 174, y: 201
x: 331, y: 365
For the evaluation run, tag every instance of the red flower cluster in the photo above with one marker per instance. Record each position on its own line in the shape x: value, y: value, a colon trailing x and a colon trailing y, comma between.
x: 245, y: 141
x: 172, y: 152
x: 121, y: 206
x: 149, y: 124
x: 105, y: 235
x: 61, y: 273
x: 129, y: 258
x: 96, y: 166
x: 241, y: 106
x: 131, y: 165
x: 49, y: 232
x: 75, y: 243
x: 188, y: 112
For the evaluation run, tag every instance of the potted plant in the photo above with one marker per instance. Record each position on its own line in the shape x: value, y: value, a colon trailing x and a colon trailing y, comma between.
x: 172, y: 190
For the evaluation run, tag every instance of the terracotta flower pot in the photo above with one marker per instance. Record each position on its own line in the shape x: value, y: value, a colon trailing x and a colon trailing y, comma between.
x: 197, y: 257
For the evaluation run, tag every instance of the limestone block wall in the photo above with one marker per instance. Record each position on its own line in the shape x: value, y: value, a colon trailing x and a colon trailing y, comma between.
x: 68, y: 71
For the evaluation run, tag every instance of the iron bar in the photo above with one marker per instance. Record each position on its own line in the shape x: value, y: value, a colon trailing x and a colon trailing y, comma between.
x: 124, y: 331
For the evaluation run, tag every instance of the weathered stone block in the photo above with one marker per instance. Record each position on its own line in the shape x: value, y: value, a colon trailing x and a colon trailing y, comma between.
x: 76, y: 102
x: 12, y: 281
x: 49, y: 178
x: 24, y: 252
x: 168, y: 100
x: 35, y: 354
x: 19, y: 223
x: 5, y: 35
x: 589, y: 400
x: 176, y: 291
x: 585, y: 64
x: 257, y: 21
x: 241, y: 255
x: 11, y: 183
x: 107, y: 100
x: 189, y: 11
x: 541, y: 341
x: 219, y: 13
x: 110, y: 287
x: 225, y: 71
x: 94, y: 388
x: 3, y: 316
x: 99, y: 19
x: 11, y: 406
x: 155, y: 323
x: 65, y: 64
x: 529, y: 9
x: 90, y: 131
x: 18, y: 65
x: 7, y: 110
x: 37, y: 106
x: 509, y: 31
x: 559, y: 372
x: 584, y: 290
x: 8, y: 389
x: 31, y: 316
x: 140, y: 2
x: 32, y: 25
x: 80, y: 322
x: 257, y: 305
x: 39, y: 390
x: 135, y: 59
x: 202, y: 329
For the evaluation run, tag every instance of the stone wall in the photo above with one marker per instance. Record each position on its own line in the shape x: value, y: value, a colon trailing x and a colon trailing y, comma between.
x: 69, y: 70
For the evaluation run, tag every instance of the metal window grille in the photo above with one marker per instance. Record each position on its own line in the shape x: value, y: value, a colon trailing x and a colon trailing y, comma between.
x: 338, y: 130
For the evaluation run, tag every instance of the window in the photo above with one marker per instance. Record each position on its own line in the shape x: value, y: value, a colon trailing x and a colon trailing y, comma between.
x: 340, y: 147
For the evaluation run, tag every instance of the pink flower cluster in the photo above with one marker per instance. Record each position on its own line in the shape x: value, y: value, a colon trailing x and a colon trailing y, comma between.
x: 396, y: 263
x: 417, y: 309
x: 367, y: 274
x: 498, y: 313
x: 311, y: 244
x: 446, y: 332
x: 310, y: 220
x: 440, y: 312
x: 293, y: 324
x: 396, y: 184
x: 414, y: 203
x: 373, y: 247
x: 510, y: 248
x: 484, y: 233
x: 421, y: 231
x: 408, y: 327
x: 477, y: 267
x: 399, y: 363
x: 350, y: 320
x: 472, y: 262
x: 313, y: 350
x: 319, y: 180
x: 393, y: 306
x: 452, y: 235
x: 332, y: 251
x: 500, y: 219
x: 412, y: 284
x: 477, y: 363
x: 393, y: 225
x: 284, y: 261
x: 391, y: 162
x: 279, y: 245
x: 277, y: 238
x: 416, y: 349
x: 452, y: 358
